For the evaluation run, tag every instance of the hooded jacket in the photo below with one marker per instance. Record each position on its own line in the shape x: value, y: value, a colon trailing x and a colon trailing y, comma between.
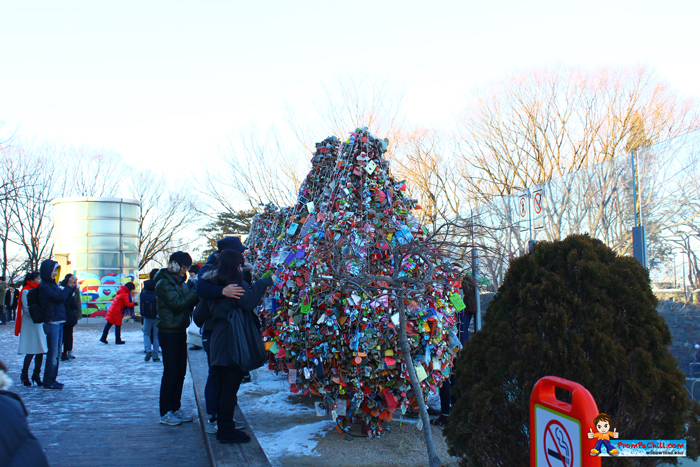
x: 51, y: 297
x: 175, y: 300
x: 149, y: 303
x: 122, y: 300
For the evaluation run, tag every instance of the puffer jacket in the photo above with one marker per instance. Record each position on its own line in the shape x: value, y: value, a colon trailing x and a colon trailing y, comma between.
x: 51, y: 297
x: 149, y: 303
x: 18, y: 446
x: 175, y: 300
x: 122, y: 300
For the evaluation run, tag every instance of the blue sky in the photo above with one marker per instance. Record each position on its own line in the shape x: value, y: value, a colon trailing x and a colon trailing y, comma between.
x: 163, y: 83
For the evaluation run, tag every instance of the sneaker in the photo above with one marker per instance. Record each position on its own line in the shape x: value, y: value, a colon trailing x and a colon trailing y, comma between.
x: 156, y: 359
x: 103, y: 340
x: 170, y: 419
x: 239, y: 425
x: 53, y: 386
x: 148, y: 356
x: 211, y: 427
x: 120, y: 342
x: 183, y: 418
x: 70, y: 354
x: 594, y: 452
x: 614, y: 452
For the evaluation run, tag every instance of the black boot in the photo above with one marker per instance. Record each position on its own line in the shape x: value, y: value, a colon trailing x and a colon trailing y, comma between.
x: 24, y: 377
x: 38, y: 359
x: 64, y: 356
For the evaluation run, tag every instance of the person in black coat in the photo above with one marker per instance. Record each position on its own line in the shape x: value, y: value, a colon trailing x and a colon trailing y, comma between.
x: 11, y: 298
x: 18, y: 446
x: 149, y: 313
x: 52, y: 299
x: 227, y: 270
x: 72, y: 311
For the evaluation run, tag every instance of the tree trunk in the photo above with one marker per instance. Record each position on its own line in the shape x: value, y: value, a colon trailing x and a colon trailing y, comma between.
x: 415, y: 384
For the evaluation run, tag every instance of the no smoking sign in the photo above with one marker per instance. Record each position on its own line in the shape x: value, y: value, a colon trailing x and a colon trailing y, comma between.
x: 557, y: 445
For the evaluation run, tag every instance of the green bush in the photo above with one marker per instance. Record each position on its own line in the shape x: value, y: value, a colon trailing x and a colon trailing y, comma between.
x: 576, y: 310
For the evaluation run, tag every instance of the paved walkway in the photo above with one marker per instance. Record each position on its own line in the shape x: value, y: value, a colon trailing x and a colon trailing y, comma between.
x: 107, y: 414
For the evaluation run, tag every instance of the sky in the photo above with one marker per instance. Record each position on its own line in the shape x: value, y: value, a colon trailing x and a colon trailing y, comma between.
x: 164, y: 83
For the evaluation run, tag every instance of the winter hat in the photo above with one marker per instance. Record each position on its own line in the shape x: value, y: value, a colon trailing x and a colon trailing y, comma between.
x: 181, y: 258
x: 231, y: 243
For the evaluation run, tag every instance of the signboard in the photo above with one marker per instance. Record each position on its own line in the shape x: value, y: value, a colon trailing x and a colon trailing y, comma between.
x: 558, y: 429
x: 538, y: 208
x: 560, y: 439
x: 522, y: 210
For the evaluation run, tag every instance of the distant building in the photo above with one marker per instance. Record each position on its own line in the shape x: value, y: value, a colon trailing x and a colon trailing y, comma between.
x: 97, y: 240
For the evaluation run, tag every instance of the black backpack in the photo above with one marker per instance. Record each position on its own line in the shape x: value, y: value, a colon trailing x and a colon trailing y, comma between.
x: 36, y: 311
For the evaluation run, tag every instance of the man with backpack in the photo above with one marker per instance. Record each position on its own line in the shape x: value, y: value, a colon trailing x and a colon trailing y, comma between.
x: 149, y: 312
x: 50, y: 301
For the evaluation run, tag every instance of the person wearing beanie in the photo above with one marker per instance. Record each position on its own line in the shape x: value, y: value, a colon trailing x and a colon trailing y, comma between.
x: 175, y: 300
x: 115, y: 312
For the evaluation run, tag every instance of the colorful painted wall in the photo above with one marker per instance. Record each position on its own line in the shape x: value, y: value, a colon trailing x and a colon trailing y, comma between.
x: 97, y: 292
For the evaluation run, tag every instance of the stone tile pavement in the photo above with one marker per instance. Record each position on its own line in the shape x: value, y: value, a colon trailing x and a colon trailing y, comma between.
x: 107, y: 414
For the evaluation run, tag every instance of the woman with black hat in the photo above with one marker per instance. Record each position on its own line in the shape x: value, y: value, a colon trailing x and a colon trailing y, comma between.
x: 175, y: 300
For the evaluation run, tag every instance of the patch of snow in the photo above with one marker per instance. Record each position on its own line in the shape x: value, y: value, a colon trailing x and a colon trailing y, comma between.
x: 295, y: 441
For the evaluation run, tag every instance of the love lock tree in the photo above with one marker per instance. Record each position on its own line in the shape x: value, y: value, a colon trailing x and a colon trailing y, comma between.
x: 365, y: 312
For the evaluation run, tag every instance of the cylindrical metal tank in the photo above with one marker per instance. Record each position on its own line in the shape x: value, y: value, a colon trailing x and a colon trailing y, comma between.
x: 99, y: 236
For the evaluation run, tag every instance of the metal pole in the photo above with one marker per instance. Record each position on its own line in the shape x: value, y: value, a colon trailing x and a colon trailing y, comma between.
x: 475, y: 275
x: 675, y: 281
x: 634, y: 191
x: 683, y: 258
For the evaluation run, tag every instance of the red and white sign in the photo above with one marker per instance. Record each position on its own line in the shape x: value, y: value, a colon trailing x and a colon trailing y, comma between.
x: 558, y: 429
x: 538, y: 208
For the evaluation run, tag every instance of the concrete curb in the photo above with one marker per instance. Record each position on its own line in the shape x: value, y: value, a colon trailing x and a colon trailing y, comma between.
x: 222, y: 455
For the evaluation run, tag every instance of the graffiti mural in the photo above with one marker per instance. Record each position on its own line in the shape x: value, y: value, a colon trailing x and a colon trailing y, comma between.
x: 97, y: 292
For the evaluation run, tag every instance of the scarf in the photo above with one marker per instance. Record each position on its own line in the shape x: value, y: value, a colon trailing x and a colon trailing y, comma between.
x: 18, y: 319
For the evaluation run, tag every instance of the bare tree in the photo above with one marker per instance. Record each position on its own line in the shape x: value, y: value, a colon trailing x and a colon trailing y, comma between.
x: 351, y: 101
x: 255, y: 169
x: 35, y: 185
x: 92, y: 172
x: 561, y: 125
x: 165, y: 214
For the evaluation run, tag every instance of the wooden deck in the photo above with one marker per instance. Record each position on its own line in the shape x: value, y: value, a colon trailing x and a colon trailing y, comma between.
x: 224, y: 455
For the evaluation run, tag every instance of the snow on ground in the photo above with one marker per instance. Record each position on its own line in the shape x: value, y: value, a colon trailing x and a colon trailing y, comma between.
x: 284, y: 427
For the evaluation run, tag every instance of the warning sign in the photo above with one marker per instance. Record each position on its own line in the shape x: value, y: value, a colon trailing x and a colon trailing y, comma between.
x: 521, y: 210
x: 538, y: 208
x: 522, y: 207
x: 558, y: 439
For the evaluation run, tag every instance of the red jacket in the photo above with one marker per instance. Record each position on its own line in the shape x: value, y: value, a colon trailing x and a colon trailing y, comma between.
x: 116, y: 309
